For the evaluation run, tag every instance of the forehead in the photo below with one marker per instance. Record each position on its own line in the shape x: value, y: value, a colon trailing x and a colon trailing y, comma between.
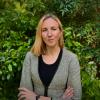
x: 50, y: 22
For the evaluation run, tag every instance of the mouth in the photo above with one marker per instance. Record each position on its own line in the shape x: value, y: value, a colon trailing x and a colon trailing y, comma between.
x: 50, y: 39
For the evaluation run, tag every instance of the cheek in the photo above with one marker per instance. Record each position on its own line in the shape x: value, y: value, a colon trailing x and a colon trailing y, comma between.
x: 58, y: 35
x: 43, y: 36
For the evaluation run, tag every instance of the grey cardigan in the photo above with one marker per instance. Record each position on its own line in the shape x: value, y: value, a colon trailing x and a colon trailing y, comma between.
x: 68, y: 73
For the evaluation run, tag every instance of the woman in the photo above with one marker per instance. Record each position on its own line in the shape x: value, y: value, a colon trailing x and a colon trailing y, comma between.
x: 50, y: 72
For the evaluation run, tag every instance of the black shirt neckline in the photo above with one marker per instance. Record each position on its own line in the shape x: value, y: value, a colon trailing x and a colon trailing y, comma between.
x: 47, y: 71
x: 55, y: 63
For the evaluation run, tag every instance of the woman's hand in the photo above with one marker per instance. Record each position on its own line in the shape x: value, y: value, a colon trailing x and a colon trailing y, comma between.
x: 68, y: 93
x: 25, y: 94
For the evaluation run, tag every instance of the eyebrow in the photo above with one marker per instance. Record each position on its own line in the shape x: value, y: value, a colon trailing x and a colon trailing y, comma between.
x: 43, y: 28
x: 51, y: 27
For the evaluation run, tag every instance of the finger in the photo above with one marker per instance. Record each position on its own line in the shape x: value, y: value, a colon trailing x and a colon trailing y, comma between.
x: 23, y: 89
x: 22, y: 97
x: 70, y: 93
x: 22, y: 93
x: 68, y: 90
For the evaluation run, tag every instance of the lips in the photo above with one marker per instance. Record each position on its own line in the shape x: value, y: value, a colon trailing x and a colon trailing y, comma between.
x: 50, y: 39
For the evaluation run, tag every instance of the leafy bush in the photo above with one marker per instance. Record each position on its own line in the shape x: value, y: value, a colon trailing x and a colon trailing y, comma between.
x: 18, y: 21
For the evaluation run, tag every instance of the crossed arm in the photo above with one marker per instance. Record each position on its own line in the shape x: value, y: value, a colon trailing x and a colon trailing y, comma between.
x: 25, y: 90
x: 30, y: 95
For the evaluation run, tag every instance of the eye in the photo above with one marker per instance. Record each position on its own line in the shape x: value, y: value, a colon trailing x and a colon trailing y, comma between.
x: 53, y: 28
x: 44, y: 30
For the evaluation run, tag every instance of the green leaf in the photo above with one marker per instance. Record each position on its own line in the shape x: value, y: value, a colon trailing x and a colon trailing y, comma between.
x: 10, y: 67
x: 14, y: 63
x: 0, y: 72
x: 8, y: 76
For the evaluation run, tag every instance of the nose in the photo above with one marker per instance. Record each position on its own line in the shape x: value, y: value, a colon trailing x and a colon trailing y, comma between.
x: 49, y: 33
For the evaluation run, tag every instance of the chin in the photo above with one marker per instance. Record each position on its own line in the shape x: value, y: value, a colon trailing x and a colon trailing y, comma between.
x: 51, y: 45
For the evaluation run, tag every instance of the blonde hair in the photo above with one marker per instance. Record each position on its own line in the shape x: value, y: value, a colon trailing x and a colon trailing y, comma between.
x: 39, y: 46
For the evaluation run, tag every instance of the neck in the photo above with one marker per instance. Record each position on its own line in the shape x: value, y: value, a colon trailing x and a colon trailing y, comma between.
x: 52, y: 50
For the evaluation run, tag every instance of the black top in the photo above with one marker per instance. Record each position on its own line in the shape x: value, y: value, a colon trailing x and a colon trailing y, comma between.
x: 47, y: 71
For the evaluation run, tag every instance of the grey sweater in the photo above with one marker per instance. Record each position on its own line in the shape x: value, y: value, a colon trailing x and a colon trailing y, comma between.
x: 68, y: 73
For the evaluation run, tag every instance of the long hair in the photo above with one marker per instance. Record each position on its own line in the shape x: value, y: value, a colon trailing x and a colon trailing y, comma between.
x: 39, y: 46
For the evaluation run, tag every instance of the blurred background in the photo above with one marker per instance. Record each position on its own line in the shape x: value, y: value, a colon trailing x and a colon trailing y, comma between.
x: 81, y: 24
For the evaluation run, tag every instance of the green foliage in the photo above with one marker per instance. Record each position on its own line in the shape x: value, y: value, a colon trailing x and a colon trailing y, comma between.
x: 11, y: 58
x: 18, y: 21
x: 91, y: 84
x: 84, y: 43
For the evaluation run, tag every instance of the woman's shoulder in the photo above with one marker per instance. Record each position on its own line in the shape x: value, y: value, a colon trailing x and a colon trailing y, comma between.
x: 69, y: 54
x: 29, y: 54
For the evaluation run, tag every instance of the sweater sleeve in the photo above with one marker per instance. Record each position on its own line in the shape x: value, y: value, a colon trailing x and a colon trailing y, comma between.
x: 74, y: 79
x: 26, y: 81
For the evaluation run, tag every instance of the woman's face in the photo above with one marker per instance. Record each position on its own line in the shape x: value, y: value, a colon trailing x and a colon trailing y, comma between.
x: 51, y: 32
